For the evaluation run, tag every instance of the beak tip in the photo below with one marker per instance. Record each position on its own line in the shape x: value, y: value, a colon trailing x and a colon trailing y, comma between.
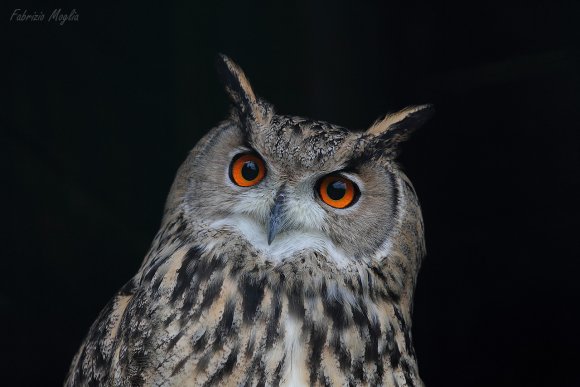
x: 270, y: 238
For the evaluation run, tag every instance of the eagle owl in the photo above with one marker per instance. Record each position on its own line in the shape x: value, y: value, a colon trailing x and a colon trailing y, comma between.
x: 287, y: 255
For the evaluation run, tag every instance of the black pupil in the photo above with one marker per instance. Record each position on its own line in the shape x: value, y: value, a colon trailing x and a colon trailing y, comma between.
x: 250, y: 170
x: 336, y: 190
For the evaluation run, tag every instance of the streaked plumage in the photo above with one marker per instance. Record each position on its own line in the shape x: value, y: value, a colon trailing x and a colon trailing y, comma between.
x: 326, y: 302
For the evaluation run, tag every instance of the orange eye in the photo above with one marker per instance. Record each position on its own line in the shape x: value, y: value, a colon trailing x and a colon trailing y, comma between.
x: 247, y: 169
x: 337, y: 191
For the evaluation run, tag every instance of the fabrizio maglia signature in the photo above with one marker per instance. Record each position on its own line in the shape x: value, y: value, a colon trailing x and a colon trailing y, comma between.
x: 57, y: 16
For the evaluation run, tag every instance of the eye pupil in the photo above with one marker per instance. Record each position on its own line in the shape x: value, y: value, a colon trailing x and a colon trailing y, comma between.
x: 250, y: 170
x: 336, y: 190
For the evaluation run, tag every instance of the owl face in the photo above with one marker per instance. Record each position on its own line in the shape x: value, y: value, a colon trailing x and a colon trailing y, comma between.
x: 299, y: 193
x: 288, y: 184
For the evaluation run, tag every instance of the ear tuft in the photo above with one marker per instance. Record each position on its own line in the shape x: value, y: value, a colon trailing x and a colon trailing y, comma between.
x: 235, y: 81
x: 402, y: 123
x: 385, y: 135
x: 239, y: 89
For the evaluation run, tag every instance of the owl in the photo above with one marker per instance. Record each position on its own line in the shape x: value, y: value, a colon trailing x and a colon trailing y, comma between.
x: 287, y: 255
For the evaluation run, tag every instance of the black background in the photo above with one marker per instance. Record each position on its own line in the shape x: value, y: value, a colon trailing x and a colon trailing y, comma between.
x: 99, y: 113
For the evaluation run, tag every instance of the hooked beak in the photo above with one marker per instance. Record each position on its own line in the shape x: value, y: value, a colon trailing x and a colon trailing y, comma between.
x: 276, y: 217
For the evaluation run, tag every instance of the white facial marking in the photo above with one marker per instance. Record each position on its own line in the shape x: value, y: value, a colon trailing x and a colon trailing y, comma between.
x: 286, y: 244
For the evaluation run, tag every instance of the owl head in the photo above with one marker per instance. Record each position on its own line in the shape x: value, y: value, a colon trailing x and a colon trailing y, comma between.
x: 289, y: 184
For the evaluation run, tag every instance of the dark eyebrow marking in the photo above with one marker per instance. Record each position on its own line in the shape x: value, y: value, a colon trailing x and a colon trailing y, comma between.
x: 247, y: 144
x: 250, y: 149
x: 351, y: 167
